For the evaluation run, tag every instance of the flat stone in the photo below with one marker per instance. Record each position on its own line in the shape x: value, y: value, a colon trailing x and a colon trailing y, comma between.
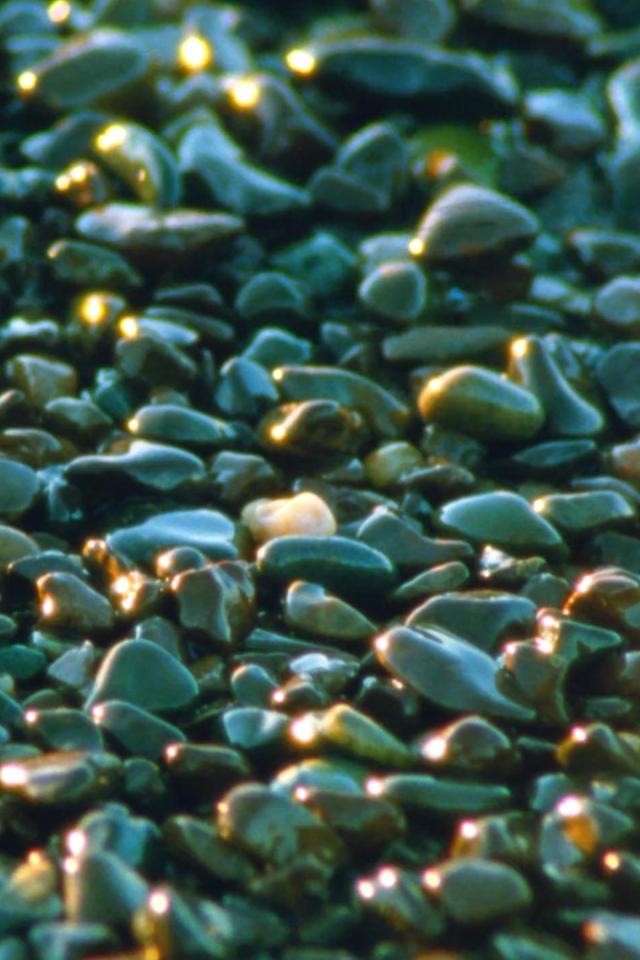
x: 138, y: 229
x: 208, y: 531
x: 503, y: 519
x: 152, y: 465
x: 446, y: 671
x: 349, y: 568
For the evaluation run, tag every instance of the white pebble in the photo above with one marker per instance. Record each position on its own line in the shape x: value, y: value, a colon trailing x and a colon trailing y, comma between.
x: 305, y: 514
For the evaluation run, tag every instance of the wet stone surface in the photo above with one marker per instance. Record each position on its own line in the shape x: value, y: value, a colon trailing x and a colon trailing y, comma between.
x: 319, y: 480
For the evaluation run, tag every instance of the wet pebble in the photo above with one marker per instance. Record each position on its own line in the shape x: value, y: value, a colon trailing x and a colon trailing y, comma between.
x: 421, y: 657
x: 502, y: 411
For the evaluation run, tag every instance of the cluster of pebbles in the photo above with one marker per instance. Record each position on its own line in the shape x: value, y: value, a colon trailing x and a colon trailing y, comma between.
x: 319, y: 480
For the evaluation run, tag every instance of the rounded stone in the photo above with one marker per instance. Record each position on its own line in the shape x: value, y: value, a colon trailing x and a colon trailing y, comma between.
x: 482, y: 404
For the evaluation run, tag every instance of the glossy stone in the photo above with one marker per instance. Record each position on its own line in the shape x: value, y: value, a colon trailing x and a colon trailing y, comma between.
x: 361, y: 737
x: 170, y: 423
x: 217, y: 601
x: 88, y: 70
x: 142, y: 673
x: 566, y: 412
x: 483, y: 617
x: 503, y: 519
x: 584, y: 513
x: 345, y: 566
x: 421, y: 657
x: 502, y: 411
x: 274, y: 829
x: 468, y: 221
x: 136, y: 731
x: 142, y: 161
x: 67, y: 603
x: 209, y: 531
x: 156, y: 466
x: 308, y: 606
x: 133, y: 228
x: 388, y: 416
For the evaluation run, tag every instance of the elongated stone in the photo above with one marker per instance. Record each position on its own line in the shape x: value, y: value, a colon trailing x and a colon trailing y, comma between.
x: 345, y: 566
x: 421, y: 792
x: 136, y: 731
x: 447, y: 671
x: 308, y: 606
x: 142, y: 161
x: 436, y: 344
x: 153, y: 465
x: 387, y: 415
x: 402, y: 69
x: 361, y: 737
x: 503, y: 519
x: 566, y: 18
x: 87, y: 70
x: 139, y: 229
x: 481, y: 403
x: 208, y: 531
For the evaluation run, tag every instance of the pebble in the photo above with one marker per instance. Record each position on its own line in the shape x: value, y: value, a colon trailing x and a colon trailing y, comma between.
x: 90, y: 70
x: 208, y: 531
x: 67, y: 603
x: 387, y: 415
x: 142, y: 673
x: 503, y: 519
x: 420, y: 657
x: 19, y: 488
x: 351, y: 569
x: 138, y: 229
x: 217, y: 601
x: 273, y: 829
x: 503, y: 411
x: 483, y: 617
x: 288, y: 301
x: 309, y: 607
x: 304, y: 514
x: 616, y: 372
x: 469, y: 221
x: 152, y: 465
x: 395, y: 291
x: 477, y: 891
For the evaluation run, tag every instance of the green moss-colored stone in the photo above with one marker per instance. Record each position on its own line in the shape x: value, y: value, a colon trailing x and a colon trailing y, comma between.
x: 481, y: 403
